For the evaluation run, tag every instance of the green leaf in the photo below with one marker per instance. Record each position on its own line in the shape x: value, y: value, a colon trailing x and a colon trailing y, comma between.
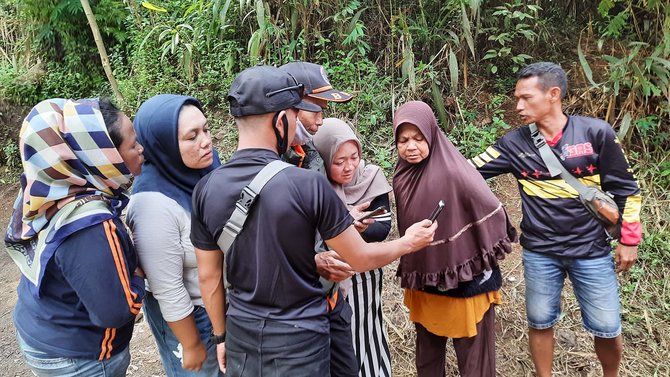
x: 605, y: 6
x: 529, y: 34
x: 152, y: 7
x: 490, y: 54
x: 625, y: 126
x: 534, y: 8
x: 408, y: 67
x: 254, y: 45
x: 260, y: 13
x: 467, y: 32
x: 149, y: 35
x: 224, y: 13
x: 191, y: 9
x: 438, y: 103
x: 663, y: 62
x: 520, y: 15
x: 453, y: 71
x: 354, y: 20
x: 585, y: 65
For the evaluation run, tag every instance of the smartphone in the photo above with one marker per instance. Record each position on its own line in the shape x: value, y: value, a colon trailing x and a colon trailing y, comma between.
x: 437, y: 210
x: 378, y: 211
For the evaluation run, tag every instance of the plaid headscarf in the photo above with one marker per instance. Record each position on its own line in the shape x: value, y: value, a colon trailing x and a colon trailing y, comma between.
x: 67, y: 156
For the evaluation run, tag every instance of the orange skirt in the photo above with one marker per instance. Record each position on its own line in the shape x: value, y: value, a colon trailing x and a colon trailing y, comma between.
x: 452, y: 317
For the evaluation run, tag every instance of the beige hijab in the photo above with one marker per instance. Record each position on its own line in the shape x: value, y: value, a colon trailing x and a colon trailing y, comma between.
x: 369, y: 181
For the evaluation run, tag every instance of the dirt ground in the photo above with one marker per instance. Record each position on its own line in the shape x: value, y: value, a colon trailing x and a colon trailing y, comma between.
x: 574, y: 354
x: 145, y: 361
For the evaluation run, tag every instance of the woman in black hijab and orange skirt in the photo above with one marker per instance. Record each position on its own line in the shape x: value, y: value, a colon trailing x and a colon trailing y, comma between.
x: 451, y: 287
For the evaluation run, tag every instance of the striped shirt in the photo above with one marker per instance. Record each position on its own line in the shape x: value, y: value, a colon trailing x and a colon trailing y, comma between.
x: 554, y: 220
x: 364, y: 294
x: 89, y: 296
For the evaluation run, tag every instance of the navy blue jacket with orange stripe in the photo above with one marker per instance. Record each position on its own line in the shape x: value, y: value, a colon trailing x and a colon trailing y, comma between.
x: 89, y: 296
x: 554, y: 220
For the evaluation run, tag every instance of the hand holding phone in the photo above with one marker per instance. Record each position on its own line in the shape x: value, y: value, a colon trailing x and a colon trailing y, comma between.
x: 377, y: 211
x: 437, y: 210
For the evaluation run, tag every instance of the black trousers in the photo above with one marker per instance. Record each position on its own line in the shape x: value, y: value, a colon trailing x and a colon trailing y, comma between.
x: 264, y: 348
x: 343, y: 361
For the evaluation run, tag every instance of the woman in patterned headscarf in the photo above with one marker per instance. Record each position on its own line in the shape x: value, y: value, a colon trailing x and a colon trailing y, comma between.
x: 356, y: 182
x: 451, y: 288
x: 81, y: 285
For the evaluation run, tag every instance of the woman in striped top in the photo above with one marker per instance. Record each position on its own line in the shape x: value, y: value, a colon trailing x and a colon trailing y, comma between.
x: 355, y: 183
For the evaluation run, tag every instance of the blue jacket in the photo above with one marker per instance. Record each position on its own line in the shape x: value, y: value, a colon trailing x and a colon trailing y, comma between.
x: 89, y: 296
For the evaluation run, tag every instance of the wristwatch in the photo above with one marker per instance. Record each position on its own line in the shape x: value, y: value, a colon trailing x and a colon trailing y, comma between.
x: 218, y: 339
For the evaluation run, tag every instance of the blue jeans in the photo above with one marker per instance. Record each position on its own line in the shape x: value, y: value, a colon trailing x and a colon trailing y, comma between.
x: 595, y: 285
x: 46, y: 366
x: 260, y: 347
x: 169, y: 347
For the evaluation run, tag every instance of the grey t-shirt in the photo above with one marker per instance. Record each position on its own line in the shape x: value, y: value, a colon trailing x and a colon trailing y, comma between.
x: 271, y: 265
x: 161, y: 231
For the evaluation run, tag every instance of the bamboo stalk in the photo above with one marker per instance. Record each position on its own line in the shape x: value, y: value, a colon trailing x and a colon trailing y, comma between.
x: 101, y: 50
x: 465, y: 71
x: 610, y: 109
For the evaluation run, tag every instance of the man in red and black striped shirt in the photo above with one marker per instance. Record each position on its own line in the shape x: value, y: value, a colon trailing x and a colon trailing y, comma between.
x: 560, y: 237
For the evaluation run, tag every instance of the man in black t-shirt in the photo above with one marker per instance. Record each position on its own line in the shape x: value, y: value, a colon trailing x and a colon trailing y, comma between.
x: 276, y: 320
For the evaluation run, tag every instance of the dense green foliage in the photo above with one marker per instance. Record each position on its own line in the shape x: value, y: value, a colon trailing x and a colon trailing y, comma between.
x: 458, y: 55
x: 445, y: 52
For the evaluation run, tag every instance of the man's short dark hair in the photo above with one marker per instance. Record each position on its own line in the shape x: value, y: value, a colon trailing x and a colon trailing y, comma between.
x: 548, y: 75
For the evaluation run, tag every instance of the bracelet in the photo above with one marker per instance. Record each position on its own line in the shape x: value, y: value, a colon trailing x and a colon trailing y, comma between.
x: 218, y: 339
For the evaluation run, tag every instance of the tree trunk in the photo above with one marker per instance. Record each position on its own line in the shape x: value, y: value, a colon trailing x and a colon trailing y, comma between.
x: 101, y: 50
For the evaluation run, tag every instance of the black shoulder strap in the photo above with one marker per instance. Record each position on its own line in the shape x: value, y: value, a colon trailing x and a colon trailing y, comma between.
x: 248, y: 196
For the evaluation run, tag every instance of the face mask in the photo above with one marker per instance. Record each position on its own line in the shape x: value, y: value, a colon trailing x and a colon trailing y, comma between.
x: 301, y: 135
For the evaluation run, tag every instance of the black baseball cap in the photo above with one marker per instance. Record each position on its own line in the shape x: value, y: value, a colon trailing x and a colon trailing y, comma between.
x: 265, y: 89
x: 316, y: 81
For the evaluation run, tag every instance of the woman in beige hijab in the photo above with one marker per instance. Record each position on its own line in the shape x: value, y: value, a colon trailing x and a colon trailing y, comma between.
x: 356, y: 183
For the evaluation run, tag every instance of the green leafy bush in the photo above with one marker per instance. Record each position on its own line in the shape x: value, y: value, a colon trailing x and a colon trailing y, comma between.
x: 643, y: 288
x: 512, y: 30
x: 17, y: 86
x: 10, y: 153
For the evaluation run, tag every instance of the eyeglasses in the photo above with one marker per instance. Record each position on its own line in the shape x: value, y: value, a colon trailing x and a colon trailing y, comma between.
x: 300, y: 87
